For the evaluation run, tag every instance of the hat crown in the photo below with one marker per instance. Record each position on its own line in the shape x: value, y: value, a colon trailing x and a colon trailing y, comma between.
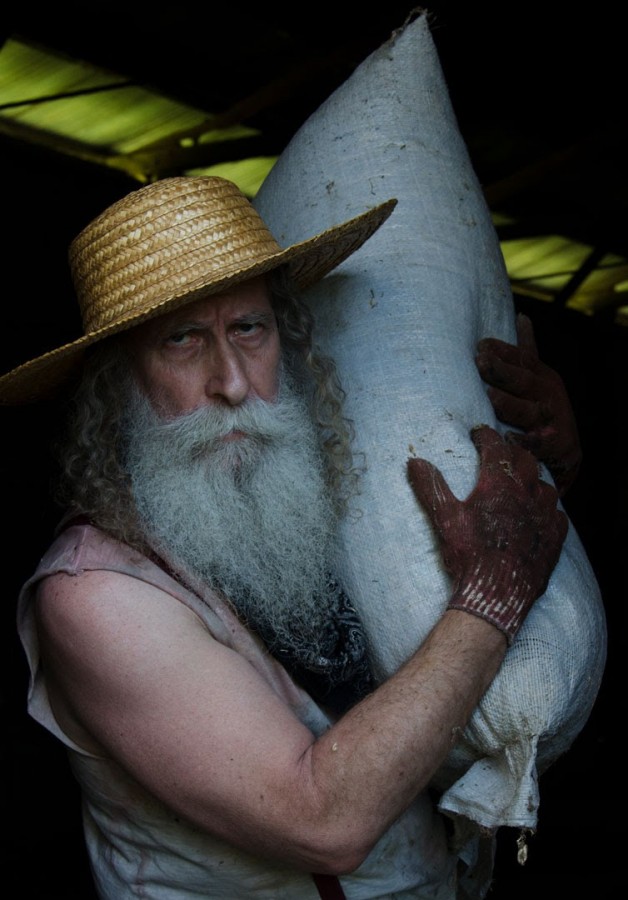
x: 163, y: 241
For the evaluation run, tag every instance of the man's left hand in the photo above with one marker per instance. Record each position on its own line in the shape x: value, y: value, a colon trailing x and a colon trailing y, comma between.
x: 530, y: 395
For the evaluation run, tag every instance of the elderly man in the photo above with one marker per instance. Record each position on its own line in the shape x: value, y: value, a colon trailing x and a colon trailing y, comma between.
x: 186, y: 638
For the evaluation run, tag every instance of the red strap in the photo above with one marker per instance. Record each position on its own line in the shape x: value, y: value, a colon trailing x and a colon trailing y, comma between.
x: 328, y: 886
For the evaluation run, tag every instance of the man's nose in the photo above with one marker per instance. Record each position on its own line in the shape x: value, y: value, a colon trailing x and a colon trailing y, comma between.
x: 227, y: 378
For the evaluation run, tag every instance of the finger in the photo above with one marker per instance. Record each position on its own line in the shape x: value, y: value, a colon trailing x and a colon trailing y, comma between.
x: 500, y: 459
x: 549, y: 510
x: 523, y: 462
x: 429, y: 487
x: 493, y: 455
x: 530, y: 441
x: 493, y: 348
x: 525, y: 336
x: 486, y: 440
x: 512, y: 375
x: 517, y: 411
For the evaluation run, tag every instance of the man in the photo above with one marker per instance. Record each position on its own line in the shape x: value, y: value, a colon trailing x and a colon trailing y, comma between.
x: 186, y: 637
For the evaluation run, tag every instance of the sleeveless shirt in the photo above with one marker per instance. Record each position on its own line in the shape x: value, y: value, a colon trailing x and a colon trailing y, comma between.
x: 137, y: 847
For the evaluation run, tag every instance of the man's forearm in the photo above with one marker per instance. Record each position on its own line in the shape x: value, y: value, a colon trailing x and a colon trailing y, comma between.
x: 369, y: 767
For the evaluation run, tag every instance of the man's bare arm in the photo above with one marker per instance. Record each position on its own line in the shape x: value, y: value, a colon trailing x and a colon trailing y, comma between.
x: 191, y: 720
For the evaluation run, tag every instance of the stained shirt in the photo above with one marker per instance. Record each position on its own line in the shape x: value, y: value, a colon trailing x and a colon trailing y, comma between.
x: 138, y: 847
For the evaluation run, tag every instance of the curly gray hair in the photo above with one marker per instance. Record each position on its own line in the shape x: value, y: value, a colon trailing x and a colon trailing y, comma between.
x: 92, y: 481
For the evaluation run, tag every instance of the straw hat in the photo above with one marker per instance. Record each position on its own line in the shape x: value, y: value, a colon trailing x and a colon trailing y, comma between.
x: 164, y: 245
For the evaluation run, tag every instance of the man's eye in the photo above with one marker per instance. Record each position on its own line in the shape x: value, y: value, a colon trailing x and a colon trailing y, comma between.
x: 248, y: 327
x: 179, y: 339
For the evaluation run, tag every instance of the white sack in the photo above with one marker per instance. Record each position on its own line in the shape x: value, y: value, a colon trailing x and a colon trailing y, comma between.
x: 402, y: 317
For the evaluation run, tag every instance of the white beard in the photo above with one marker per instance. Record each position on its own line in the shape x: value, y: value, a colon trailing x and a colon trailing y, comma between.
x: 251, y: 516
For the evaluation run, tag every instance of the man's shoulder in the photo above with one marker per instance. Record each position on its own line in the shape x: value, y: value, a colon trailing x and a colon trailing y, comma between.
x: 99, y: 601
x: 85, y: 566
x: 80, y: 546
x: 84, y: 563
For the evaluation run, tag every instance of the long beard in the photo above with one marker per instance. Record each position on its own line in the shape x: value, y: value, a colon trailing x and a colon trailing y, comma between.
x: 251, y: 515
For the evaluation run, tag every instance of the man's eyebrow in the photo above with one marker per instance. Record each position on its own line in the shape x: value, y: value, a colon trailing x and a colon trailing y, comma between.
x: 191, y: 323
x: 255, y: 316
x: 178, y: 325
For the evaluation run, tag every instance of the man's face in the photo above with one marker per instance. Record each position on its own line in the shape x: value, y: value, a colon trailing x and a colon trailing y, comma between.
x: 237, y: 497
x: 222, y: 350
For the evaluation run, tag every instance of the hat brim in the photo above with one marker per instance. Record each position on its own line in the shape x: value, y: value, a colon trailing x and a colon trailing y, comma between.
x: 307, y: 262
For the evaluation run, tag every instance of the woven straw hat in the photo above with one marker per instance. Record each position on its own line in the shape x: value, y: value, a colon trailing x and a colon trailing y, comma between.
x: 167, y: 244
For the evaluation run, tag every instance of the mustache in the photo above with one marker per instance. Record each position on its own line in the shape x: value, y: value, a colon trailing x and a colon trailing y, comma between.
x: 254, y: 525
x: 201, y: 431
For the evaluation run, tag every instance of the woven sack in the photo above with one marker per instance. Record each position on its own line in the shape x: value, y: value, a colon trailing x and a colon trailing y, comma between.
x: 402, y: 318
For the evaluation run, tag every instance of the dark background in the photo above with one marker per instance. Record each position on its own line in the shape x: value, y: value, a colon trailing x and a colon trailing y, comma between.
x: 525, y: 81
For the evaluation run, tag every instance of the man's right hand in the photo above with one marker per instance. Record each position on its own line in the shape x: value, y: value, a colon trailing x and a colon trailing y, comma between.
x: 501, y: 544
